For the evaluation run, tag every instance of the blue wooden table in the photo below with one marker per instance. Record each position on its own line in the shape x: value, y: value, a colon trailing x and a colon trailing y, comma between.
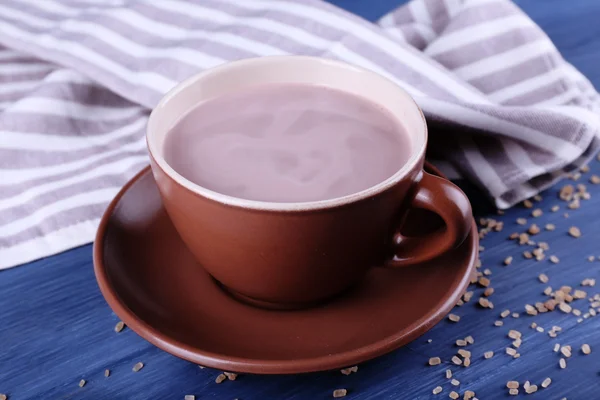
x: 56, y: 329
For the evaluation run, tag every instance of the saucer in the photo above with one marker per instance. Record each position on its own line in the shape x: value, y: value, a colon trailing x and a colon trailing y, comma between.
x: 153, y: 284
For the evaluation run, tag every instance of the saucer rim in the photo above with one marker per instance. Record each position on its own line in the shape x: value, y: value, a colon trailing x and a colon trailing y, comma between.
x: 256, y: 366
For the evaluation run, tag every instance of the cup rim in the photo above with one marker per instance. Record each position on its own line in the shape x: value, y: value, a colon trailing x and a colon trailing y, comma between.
x: 224, y: 199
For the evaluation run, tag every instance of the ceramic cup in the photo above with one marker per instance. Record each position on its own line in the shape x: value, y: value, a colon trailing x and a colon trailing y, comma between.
x: 292, y: 255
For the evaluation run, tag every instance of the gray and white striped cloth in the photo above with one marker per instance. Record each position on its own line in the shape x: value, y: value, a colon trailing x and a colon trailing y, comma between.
x: 78, y: 78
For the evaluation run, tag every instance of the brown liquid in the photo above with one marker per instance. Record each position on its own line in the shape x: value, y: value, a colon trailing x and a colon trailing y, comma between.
x: 287, y: 143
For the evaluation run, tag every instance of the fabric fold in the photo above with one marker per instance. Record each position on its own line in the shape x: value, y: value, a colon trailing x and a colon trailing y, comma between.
x: 77, y: 81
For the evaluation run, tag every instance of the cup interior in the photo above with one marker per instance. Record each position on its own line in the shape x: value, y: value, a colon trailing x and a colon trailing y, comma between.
x: 246, y: 73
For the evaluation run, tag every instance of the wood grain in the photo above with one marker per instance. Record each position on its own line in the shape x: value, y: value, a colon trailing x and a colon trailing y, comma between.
x: 56, y: 328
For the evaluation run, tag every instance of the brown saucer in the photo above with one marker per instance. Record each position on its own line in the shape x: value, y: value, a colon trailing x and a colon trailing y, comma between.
x: 153, y: 284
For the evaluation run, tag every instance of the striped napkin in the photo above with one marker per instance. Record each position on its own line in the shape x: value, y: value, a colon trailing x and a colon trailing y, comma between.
x: 78, y: 78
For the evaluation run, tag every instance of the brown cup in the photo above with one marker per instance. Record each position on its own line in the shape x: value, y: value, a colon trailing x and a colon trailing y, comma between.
x: 292, y: 255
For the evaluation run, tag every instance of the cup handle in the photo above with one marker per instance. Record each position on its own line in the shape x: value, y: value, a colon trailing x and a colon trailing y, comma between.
x: 449, y: 202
